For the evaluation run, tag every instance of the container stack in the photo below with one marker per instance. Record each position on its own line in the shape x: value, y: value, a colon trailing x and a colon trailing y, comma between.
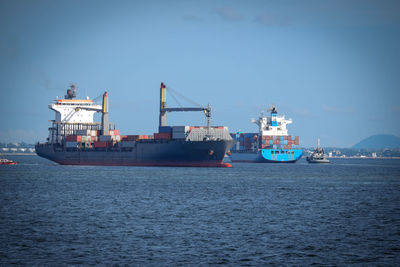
x: 180, y: 132
x: 245, y: 141
x: 192, y: 133
x: 199, y: 133
x: 279, y: 142
x: 128, y: 141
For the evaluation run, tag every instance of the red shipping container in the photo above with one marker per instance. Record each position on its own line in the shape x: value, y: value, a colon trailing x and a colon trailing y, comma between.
x: 74, y: 138
x: 100, y: 144
x: 162, y: 136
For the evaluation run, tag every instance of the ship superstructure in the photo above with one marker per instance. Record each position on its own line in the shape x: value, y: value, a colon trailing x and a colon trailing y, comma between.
x: 72, y: 115
x: 271, y: 144
x: 76, y: 139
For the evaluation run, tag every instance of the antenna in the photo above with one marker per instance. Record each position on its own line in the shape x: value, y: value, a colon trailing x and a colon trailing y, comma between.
x: 71, y: 93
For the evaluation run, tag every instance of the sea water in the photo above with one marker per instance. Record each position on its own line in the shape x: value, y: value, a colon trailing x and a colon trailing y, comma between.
x: 343, y: 213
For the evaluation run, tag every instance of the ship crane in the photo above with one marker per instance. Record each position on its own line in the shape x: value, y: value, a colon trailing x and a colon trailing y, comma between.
x: 105, y: 125
x: 164, y: 109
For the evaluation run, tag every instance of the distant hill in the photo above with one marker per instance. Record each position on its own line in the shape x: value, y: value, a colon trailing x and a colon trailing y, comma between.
x: 378, y: 141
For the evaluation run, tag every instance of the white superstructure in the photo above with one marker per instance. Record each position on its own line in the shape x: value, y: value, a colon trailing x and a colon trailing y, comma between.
x: 74, y: 110
x: 274, y: 125
x: 71, y: 115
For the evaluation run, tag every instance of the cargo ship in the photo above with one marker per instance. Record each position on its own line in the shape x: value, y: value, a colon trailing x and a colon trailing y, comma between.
x: 271, y: 144
x: 76, y: 139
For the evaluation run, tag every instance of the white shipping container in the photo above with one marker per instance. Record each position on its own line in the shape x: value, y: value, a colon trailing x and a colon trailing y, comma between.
x: 86, y: 138
x: 180, y: 129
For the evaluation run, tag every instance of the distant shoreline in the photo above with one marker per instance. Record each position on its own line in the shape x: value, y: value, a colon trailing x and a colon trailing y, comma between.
x: 34, y: 154
x: 363, y: 157
x: 19, y: 154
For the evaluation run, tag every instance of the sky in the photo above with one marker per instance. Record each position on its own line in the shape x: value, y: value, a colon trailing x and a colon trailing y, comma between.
x: 332, y: 66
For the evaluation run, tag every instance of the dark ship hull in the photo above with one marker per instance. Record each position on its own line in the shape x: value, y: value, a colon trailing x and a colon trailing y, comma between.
x: 150, y: 153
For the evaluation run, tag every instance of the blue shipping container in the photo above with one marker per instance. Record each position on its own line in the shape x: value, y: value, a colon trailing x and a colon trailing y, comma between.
x: 164, y: 129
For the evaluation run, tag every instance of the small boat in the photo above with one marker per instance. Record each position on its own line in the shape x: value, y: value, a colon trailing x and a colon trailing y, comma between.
x: 318, y: 156
x: 7, y: 162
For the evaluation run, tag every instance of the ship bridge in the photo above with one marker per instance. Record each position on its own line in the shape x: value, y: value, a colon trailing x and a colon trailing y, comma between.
x: 272, y: 125
x: 71, y: 115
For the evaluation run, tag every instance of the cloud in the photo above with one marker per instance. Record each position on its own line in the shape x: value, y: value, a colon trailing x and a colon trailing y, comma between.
x: 228, y: 13
x: 268, y: 19
x: 332, y: 109
x: 192, y: 18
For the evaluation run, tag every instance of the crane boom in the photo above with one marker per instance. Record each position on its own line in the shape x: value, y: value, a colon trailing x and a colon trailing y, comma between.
x: 164, y: 109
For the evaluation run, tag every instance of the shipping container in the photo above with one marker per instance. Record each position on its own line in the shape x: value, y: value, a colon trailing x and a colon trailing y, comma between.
x: 296, y: 140
x: 105, y: 138
x: 178, y: 135
x: 164, y: 129
x: 114, y: 132
x: 131, y: 137
x: 74, y: 138
x: 162, y: 136
x: 86, y: 138
x: 180, y: 129
x: 72, y: 144
x: 100, y: 144
x: 83, y: 132
x: 127, y: 144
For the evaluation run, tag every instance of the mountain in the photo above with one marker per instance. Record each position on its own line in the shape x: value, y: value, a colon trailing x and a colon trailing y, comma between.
x: 378, y: 141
